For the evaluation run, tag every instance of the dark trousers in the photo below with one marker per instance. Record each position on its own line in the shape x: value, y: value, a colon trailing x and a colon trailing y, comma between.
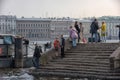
x: 99, y: 37
x: 78, y: 37
x: 62, y: 52
x: 36, y: 62
x: 119, y: 35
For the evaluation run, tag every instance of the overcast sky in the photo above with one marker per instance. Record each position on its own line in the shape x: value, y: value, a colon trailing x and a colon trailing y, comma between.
x: 60, y: 8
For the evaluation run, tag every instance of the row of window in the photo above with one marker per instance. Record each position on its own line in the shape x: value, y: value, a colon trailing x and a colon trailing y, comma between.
x: 6, y: 25
x: 33, y: 30
x: 5, y: 28
x: 37, y: 35
x: 33, y: 25
x: 7, y: 20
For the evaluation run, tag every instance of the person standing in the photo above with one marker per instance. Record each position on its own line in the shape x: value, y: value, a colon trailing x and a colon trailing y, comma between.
x: 118, y: 26
x: 73, y: 36
x: 36, y: 56
x: 40, y: 49
x: 62, y: 45
x: 56, y: 44
x: 78, y: 30
x: 93, y: 30
x: 81, y: 31
x: 103, y: 32
x: 99, y: 37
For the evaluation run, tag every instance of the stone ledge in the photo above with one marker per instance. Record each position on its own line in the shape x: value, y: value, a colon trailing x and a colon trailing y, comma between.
x: 47, y: 56
x: 115, y: 59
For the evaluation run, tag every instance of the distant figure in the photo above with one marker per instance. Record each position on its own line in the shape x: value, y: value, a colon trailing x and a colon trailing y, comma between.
x: 62, y: 45
x: 93, y: 30
x: 44, y: 47
x: 119, y: 31
x: 78, y: 30
x: 40, y: 48
x: 103, y: 32
x: 50, y: 44
x: 56, y: 44
x: 81, y: 32
x: 73, y: 36
x: 99, y: 37
x: 36, y: 56
x: 47, y: 45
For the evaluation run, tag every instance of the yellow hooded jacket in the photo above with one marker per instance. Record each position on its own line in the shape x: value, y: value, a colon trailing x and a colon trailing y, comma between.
x: 103, y: 27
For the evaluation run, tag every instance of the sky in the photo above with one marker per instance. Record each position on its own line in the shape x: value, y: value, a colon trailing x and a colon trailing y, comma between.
x: 60, y: 8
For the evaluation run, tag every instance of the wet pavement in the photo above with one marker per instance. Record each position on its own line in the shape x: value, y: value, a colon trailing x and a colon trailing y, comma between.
x: 15, y: 74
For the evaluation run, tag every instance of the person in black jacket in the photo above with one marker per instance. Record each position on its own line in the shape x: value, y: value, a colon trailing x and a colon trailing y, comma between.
x: 36, y: 56
x: 62, y: 45
x: 78, y: 30
x: 93, y: 30
x: 119, y: 31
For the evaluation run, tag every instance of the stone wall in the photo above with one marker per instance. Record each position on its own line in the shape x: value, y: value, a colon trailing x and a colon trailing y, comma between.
x: 47, y: 56
x: 115, y: 59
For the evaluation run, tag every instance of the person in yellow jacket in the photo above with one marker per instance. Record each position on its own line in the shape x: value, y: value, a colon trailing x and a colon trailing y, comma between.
x: 103, y: 32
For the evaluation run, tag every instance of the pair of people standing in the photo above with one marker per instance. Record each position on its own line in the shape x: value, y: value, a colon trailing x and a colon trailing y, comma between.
x: 93, y: 30
x: 94, y: 27
x: 59, y: 44
x: 80, y: 30
x: 76, y: 32
x: 73, y: 36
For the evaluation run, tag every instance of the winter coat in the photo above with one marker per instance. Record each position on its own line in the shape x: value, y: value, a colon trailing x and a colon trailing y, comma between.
x: 77, y: 28
x: 103, y: 27
x: 62, y: 42
x: 37, y: 52
x: 94, y: 27
x: 73, y: 33
x: 56, y: 44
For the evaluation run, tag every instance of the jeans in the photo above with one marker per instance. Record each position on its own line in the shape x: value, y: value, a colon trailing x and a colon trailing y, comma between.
x: 36, y: 62
x: 119, y: 35
x: 74, y: 44
x: 96, y: 37
x: 103, y: 38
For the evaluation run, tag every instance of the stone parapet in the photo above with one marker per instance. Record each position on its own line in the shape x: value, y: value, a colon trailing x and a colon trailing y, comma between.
x: 51, y: 54
x: 115, y: 59
x: 47, y: 56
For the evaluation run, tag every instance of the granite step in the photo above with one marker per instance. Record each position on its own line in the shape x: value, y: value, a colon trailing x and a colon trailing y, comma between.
x: 86, y: 60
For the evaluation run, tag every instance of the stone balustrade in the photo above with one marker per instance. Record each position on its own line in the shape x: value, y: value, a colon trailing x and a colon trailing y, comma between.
x: 115, y: 59
x: 51, y: 54
x: 47, y: 56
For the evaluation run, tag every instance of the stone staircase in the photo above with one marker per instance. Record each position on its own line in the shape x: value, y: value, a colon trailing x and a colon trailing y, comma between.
x: 85, y: 61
